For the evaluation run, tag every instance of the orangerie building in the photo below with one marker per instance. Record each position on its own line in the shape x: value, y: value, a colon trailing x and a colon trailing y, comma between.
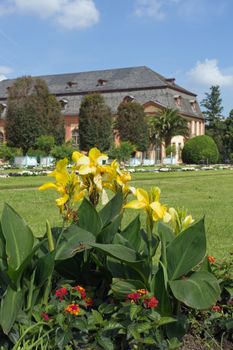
x: 140, y: 84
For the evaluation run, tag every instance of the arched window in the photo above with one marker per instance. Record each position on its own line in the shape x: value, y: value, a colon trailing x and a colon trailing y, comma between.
x: 75, y: 137
x: 1, y: 138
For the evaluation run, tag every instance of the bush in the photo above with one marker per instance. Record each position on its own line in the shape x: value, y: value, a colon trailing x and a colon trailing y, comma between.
x: 6, y: 153
x: 122, y: 152
x: 200, y: 149
x: 63, y: 151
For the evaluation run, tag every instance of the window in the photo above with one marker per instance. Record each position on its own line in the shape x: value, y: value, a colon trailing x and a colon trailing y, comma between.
x: 70, y: 84
x: 179, y: 151
x: 193, y: 105
x: 1, y: 138
x: 177, y: 99
x: 75, y: 137
x: 2, y: 107
x: 128, y: 98
x: 63, y: 103
x: 101, y: 82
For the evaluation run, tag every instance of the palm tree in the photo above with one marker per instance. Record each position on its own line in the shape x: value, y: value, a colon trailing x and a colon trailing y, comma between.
x: 166, y: 125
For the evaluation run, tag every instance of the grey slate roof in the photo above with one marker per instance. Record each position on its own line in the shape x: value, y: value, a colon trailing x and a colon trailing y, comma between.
x: 141, y: 82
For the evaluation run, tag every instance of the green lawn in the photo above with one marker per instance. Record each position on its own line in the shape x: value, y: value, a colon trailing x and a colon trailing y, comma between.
x: 208, y: 193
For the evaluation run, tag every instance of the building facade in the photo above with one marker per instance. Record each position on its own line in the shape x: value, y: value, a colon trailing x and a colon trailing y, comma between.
x: 139, y: 84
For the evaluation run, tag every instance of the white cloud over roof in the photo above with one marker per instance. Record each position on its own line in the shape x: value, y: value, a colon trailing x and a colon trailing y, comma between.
x: 70, y: 14
x: 209, y: 73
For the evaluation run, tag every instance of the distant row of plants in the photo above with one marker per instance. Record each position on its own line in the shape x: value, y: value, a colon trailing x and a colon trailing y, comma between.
x: 92, y: 284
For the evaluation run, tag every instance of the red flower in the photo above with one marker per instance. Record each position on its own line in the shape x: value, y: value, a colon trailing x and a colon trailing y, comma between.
x: 89, y: 302
x: 211, y: 259
x: 81, y: 290
x: 151, y: 303
x: 73, y: 309
x: 60, y: 293
x: 216, y: 308
x: 45, y: 316
x: 134, y: 296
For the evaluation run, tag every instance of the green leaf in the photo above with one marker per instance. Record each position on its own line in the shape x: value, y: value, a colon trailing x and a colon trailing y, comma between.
x: 122, y: 270
x: 133, y: 331
x: 75, y: 240
x: 186, y: 251
x: 132, y: 233
x: 166, y: 320
x: 123, y: 287
x: 97, y: 317
x: 105, y: 342
x: 118, y: 251
x: 200, y: 291
x: 19, y: 237
x: 108, y: 233
x: 166, y: 232
x: 111, y: 209
x: 134, y: 310
x: 44, y: 268
x: 10, y: 306
x: 88, y: 218
x: 160, y: 291
x: 106, y: 308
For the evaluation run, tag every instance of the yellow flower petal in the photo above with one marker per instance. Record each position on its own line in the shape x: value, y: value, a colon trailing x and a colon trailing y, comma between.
x: 62, y: 200
x: 135, y: 204
x: 47, y: 186
x: 86, y: 169
x: 78, y: 196
x: 76, y: 156
x: 84, y: 160
x: 159, y: 210
x: 142, y: 196
x: 93, y: 154
x: 61, y: 164
x: 187, y: 222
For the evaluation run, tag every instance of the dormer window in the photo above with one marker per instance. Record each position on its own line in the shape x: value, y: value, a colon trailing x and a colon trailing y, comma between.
x: 2, y: 107
x: 63, y: 103
x: 101, y: 82
x: 171, y: 80
x: 193, y: 105
x: 177, y: 99
x: 128, y: 98
x: 70, y: 84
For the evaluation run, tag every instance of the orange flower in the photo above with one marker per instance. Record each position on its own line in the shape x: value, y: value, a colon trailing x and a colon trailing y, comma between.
x: 211, y: 259
x: 89, y: 302
x: 142, y: 291
x: 73, y: 309
x: 81, y: 290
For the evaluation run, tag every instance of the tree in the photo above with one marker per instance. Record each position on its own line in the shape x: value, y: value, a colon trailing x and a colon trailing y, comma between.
x: 131, y: 125
x: 95, y: 123
x: 32, y: 111
x: 166, y: 125
x: 122, y: 152
x: 213, y: 106
x: 45, y: 143
x: 200, y: 149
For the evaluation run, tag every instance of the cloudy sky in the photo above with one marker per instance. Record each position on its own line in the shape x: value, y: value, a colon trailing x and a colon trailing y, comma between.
x: 186, y: 39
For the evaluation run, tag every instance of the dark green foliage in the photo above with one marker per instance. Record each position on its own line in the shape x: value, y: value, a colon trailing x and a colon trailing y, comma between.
x: 45, y: 143
x: 95, y: 123
x: 6, y: 153
x: 131, y: 125
x: 122, y: 152
x: 200, y: 149
x: 32, y: 112
x: 63, y: 151
x: 213, y: 106
x: 166, y: 125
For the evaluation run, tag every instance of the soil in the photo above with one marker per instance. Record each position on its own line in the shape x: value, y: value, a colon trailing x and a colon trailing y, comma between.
x: 196, y: 343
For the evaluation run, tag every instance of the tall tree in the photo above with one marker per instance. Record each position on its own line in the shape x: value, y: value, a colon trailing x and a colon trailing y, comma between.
x: 213, y: 106
x: 131, y: 125
x: 32, y: 111
x: 95, y: 123
x: 166, y: 125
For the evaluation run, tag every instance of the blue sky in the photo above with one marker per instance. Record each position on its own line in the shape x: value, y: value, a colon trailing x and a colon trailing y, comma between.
x: 186, y: 39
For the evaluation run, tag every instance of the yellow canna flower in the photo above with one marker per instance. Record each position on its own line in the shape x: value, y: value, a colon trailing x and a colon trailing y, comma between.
x: 115, y: 178
x: 150, y: 202
x: 67, y: 184
x: 179, y: 220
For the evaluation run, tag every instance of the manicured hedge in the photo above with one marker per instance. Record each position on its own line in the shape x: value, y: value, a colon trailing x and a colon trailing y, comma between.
x: 200, y: 149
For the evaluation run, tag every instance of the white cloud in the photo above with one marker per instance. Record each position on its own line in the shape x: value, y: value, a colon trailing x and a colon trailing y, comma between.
x: 70, y: 14
x: 208, y: 73
x: 4, y: 70
x: 153, y: 8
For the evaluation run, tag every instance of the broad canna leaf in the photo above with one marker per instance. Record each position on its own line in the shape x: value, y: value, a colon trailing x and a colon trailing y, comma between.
x: 132, y: 233
x: 75, y: 240
x: 166, y: 232
x: 123, y: 287
x: 18, y: 236
x: 44, y: 269
x: 112, y: 209
x: 109, y: 231
x: 11, y: 304
x: 88, y: 218
x: 186, y: 251
x: 118, y: 251
x: 200, y: 291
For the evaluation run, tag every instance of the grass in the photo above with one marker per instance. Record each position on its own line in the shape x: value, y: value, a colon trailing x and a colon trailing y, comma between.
x: 206, y: 194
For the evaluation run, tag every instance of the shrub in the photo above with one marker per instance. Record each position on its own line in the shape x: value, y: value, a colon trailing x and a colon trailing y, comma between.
x: 123, y: 152
x: 63, y: 151
x: 6, y: 153
x: 200, y: 149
